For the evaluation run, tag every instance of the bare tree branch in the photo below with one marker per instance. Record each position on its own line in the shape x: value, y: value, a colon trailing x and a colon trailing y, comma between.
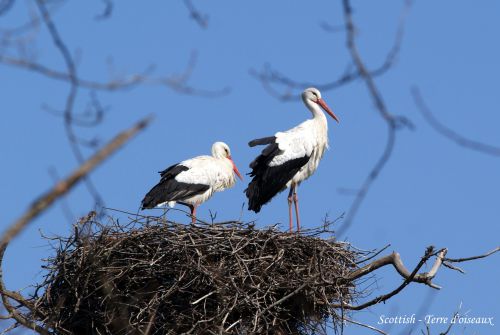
x: 449, y: 133
x: 395, y: 260
x: 367, y: 183
x: 466, y: 259
x: 70, y: 100
x: 112, y: 85
x: 393, y: 122
x: 200, y: 18
x: 178, y: 83
x: 409, y: 277
x: 267, y: 76
x: 68, y: 214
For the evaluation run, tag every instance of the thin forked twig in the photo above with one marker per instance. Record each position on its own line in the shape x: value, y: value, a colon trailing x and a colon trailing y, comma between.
x: 466, y: 259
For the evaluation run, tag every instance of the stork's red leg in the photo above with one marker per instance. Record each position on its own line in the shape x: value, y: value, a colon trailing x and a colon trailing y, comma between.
x: 192, y: 209
x: 296, y: 203
x: 290, y: 208
x: 193, y: 214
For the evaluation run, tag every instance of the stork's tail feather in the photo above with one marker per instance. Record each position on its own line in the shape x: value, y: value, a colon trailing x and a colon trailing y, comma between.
x: 262, y: 141
x: 254, y: 201
x: 270, y: 180
x: 153, y: 198
x: 260, y: 193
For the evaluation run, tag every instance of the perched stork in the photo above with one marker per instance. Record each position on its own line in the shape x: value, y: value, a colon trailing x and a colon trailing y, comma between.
x: 194, y: 181
x: 289, y: 157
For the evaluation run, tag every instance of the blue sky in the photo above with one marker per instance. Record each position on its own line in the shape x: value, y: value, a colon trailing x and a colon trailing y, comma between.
x: 431, y: 191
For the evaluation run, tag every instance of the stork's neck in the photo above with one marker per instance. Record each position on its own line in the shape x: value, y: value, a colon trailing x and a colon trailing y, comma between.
x: 315, y: 110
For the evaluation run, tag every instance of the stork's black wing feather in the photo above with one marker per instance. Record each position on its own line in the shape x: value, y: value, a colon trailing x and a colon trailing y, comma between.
x: 169, y: 189
x: 268, y: 180
x: 173, y: 171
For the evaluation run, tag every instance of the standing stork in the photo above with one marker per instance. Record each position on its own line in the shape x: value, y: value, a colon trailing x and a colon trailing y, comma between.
x: 289, y: 157
x: 194, y: 181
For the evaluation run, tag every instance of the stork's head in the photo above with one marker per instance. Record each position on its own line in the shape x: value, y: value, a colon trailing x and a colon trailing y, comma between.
x: 312, y: 96
x: 221, y: 150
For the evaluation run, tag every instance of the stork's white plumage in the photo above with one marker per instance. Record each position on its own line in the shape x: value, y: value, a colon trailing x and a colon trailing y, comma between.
x: 194, y: 181
x: 290, y: 157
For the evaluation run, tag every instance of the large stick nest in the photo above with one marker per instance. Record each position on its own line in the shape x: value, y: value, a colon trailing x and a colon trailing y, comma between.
x: 158, y: 277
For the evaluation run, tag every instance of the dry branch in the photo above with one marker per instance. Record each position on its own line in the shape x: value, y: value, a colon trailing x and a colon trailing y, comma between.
x: 394, y: 259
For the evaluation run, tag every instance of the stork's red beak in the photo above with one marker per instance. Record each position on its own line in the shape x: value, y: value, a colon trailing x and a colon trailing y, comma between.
x: 235, y: 169
x: 327, y: 109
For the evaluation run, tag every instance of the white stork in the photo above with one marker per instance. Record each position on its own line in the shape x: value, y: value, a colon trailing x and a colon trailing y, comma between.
x: 194, y: 181
x: 289, y: 157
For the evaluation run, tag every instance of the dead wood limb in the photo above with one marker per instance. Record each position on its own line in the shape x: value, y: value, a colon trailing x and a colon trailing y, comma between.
x: 385, y: 261
x: 395, y: 260
x: 44, y: 202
